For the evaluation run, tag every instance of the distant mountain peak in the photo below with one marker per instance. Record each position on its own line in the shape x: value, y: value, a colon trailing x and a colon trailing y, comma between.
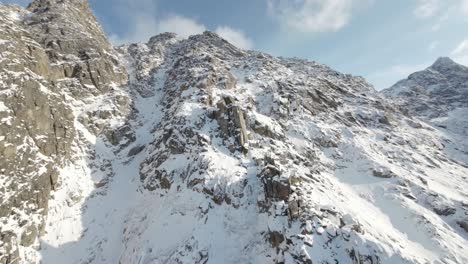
x: 444, y: 63
x: 435, y: 91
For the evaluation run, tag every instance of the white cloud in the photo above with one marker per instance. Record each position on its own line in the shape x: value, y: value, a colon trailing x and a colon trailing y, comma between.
x: 144, y: 26
x: 139, y: 20
x: 140, y: 29
x: 464, y: 7
x: 312, y: 15
x: 141, y: 24
x: 462, y: 60
x: 461, y: 48
x: 432, y: 46
x: 460, y: 53
x: 235, y: 37
x: 432, y: 8
x: 426, y: 8
x: 182, y: 26
x: 441, y: 20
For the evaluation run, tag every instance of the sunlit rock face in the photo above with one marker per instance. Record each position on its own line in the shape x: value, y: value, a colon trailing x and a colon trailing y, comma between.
x: 51, y: 53
x: 196, y: 151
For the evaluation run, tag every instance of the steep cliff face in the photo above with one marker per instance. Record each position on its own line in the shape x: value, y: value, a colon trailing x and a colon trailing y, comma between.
x: 50, y: 55
x: 195, y: 151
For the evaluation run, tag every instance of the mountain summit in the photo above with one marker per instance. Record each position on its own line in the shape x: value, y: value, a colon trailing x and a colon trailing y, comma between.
x: 445, y: 63
x: 435, y: 91
x: 195, y: 151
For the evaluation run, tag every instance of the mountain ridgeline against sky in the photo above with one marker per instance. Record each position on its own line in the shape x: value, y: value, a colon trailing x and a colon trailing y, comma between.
x: 195, y: 151
x: 435, y: 91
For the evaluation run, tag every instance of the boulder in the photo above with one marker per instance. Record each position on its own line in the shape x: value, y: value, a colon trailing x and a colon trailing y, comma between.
x: 275, y: 238
x: 463, y: 224
x: 275, y: 187
x: 383, y: 173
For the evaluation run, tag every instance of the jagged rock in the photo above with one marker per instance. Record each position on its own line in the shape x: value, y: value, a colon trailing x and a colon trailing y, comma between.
x: 386, y: 119
x: 69, y: 30
x: 136, y: 150
x: 275, y: 238
x: 383, y: 173
x: 54, y: 47
x: 463, y: 224
x: 9, y: 253
x: 28, y: 236
x: 266, y: 128
x: 358, y: 258
x: 294, y: 208
x: 414, y: 124
x: 231, y: 120
x: 445, y: 210
x: 122, y: 136
x: 274, y: 186
x: 434, y: 91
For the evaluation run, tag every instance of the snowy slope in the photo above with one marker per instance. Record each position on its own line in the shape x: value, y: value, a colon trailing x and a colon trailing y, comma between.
x: 357, y: 181
x: 212, y: 154
x: 439, y: 95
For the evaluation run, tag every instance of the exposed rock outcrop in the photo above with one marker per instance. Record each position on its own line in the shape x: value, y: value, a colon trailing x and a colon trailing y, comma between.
x: 52, y: 50
x: 231, y: 120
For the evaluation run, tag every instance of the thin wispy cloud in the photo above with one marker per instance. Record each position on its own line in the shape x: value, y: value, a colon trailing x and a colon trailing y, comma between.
x: 312, y: 15
x: 432, y: 46
x: 141, y: 24
x: 140, y: 20
x: 426, y: 8
x: 236, y: 37
x: 182, y: 26
x: 462, y: 48
x: 460, y: 52
x: 464, y: 7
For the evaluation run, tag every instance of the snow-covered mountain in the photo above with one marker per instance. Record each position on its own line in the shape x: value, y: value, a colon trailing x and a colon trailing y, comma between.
x: 435, y: 91
x: 439, y: 95
x: 195, y: 151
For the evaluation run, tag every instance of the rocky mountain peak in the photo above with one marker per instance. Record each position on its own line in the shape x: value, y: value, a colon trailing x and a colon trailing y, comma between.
x: 163, y: 37
x: 211, y: 39
x: 44, y: 5
x: 68, y: 27
x: 438, y: 94
x: 441, y: 61
x: 446, y: 64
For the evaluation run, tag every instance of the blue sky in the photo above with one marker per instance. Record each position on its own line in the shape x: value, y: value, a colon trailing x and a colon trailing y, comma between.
x: 382, y: 40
